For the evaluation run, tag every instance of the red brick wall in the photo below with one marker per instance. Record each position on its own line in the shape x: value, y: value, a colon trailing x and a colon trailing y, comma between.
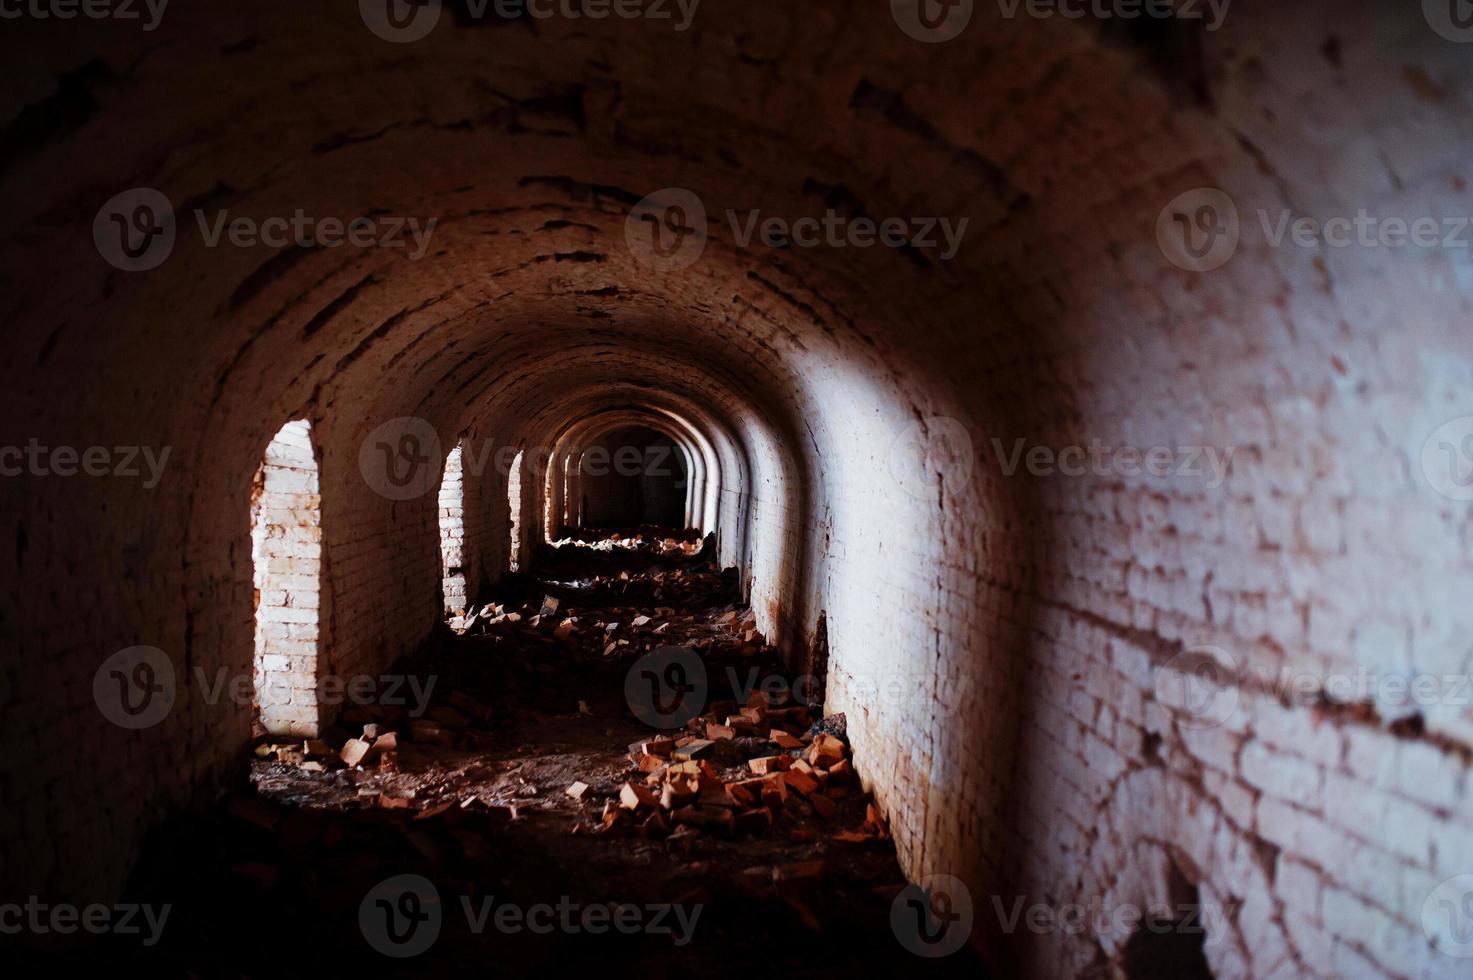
x: 999, y: 643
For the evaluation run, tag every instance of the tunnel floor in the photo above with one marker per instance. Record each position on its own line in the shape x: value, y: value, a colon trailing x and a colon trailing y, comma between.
x: 473, y: 800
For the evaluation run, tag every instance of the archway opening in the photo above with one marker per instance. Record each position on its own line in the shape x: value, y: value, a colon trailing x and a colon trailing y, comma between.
x: 286, y: 551
x: 632, y: 476
x: 1170, y: 941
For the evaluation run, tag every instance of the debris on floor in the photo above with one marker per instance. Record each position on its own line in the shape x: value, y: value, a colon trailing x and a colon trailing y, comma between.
x: 522, y: 769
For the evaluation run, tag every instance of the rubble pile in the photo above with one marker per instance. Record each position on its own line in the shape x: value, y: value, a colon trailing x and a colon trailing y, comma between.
x: 738, y: 770
x: 356, y: 762
x: 527, y: 743
x: 512, y: 760
x: 611, y: 627
x: 688, y: 542
x: 585, y: 562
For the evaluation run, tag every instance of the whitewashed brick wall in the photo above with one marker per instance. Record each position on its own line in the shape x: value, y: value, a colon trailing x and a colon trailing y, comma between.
x: 286, y: 537
x: 452, y: 532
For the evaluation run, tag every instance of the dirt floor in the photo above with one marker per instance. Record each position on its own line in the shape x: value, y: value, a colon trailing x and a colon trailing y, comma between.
x: 792, y: 874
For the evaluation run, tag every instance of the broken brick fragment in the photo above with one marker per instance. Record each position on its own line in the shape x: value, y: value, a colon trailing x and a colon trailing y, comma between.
x: 798, y: 871
x: 695, y: 749
x: 756, y: 821
x: 353, y: 752
x: 632, y: 796
x: 769, y: 764
x: 783, y: 740
x: 800, y: 781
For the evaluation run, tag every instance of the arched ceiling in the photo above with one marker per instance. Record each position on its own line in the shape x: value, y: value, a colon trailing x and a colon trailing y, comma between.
x: 529, y: 157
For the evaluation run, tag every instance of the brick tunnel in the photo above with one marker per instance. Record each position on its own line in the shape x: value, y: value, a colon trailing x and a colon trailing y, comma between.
x: 1077, y: 397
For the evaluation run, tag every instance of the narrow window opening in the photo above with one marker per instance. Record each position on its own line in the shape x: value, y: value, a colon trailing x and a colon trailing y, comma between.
x: 286, y: 552
x: 452, y: 533
x: 514, y: 505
